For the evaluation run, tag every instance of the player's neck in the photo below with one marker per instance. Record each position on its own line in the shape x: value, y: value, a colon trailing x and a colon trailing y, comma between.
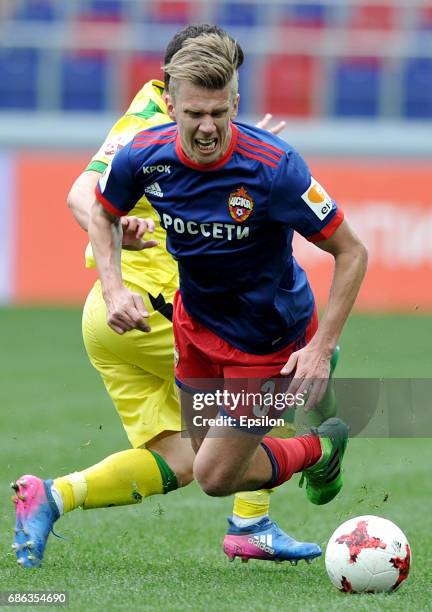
x: 220, y: 161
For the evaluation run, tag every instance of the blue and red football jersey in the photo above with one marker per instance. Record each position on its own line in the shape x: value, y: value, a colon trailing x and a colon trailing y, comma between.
x: 230, y: 226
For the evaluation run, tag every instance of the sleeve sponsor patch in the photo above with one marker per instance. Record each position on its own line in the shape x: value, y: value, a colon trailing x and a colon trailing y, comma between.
x: 103, y: 179
x: 317, y: 199
x: 112, y: 145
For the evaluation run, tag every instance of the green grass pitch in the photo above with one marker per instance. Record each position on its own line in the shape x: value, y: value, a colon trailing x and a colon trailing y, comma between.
x: 166, y: 553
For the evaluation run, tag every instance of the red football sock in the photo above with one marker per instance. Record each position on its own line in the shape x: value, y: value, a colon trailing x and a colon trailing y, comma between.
x: 292, y: 455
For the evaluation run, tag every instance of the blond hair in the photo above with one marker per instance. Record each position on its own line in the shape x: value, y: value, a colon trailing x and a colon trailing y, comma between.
x: 208, y: 60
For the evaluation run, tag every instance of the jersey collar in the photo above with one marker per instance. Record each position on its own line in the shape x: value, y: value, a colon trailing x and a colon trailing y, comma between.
x: 219, y: 163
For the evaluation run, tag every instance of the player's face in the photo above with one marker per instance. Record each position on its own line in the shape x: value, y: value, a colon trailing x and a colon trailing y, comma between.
x: 203, y: 117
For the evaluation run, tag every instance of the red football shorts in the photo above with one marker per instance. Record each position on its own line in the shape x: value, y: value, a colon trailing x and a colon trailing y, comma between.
x: 247, y: 391
x: 201, y: 354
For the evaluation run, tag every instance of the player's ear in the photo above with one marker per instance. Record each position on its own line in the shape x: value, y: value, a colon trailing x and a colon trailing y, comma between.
x: 234, y: 110
x: 169, y: 105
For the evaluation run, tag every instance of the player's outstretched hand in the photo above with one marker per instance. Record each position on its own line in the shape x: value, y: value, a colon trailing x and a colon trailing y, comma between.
x: 265, y: 122
x: 134, y: 229
x: 126, y: 311
x: 310, y: 370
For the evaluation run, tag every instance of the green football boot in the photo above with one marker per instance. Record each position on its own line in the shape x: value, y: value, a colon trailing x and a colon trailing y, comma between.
x: 327, y: 407
x: 324, y: 479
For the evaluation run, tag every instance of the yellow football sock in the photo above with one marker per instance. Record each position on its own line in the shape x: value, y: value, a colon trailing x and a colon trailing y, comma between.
x: 73, y: 490
x: 252, y: 504
x: 120, y: 479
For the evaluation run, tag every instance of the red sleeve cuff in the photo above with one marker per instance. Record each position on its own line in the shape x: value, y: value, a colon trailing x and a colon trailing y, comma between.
x: 107, y: 205
x: 329, y: 229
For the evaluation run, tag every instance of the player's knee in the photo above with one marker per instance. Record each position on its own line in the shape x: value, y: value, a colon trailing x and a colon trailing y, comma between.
x: 214, y: 488
x: 211, y: 482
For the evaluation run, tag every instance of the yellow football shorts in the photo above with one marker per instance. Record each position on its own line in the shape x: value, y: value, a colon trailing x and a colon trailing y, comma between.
x: 137, y: 368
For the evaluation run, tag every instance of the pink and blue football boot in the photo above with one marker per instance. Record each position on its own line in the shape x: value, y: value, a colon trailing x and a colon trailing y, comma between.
x: 266, y: 541
x: 36, y: 513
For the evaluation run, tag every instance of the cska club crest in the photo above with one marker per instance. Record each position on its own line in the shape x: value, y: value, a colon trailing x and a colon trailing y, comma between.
x: 240, y: 205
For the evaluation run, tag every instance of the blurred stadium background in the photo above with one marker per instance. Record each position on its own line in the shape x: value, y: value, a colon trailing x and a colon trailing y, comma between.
x: 352, y: 77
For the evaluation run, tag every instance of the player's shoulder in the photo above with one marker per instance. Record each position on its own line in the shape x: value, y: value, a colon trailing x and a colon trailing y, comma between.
x: 148, y: 102
x: 262, y: 145
x: 156, y: 135
x: 263, y: 137
x: 288, y: 169
x: 157, y: 143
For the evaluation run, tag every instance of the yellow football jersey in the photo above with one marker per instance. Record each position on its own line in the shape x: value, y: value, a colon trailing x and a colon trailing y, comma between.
x: 151, y: 269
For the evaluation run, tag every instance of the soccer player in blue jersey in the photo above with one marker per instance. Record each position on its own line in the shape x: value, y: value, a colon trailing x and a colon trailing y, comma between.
x: 230, y: 197
x: 160, y: 458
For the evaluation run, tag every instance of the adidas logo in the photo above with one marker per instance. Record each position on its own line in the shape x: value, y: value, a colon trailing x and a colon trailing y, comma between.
x: 264, y: 542
x: 154, y: 189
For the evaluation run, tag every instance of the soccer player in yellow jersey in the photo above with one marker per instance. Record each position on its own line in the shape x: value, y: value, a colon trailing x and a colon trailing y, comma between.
x: 137, y: 370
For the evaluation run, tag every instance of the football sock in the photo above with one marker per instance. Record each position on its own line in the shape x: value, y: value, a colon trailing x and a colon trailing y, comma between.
x: 290, y: 456
x: 250, y: 507
x: 120, y: 479
x: 72, y: 490
x: 58, y: 499
x: 242, y: 523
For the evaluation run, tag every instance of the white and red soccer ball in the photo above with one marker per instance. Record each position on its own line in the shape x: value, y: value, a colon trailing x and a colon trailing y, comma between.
x: 368, y: 554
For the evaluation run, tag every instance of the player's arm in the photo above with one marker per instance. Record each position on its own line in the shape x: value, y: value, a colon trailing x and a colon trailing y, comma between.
x: 350, y: 257
x: 311, y: 364
x: 81, y: 196
x: 116, y: 194
x: 80, y: 200
x: 300, y: 202
x: 125, y: 309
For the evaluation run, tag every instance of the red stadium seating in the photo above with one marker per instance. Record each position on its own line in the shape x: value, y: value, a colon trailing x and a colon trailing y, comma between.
x: 425, y: 17
x: 288, y: 85
x: 374, y: 17
x: 179, y: 13
x: 140, y: 69
x: 90, y: 29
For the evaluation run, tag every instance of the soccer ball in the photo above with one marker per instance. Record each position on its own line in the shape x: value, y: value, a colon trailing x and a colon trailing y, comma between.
x: 368, y: 554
